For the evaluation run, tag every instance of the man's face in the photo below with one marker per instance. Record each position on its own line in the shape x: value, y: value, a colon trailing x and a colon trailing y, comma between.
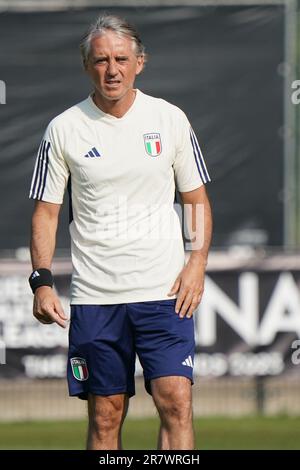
x: 113, y: 65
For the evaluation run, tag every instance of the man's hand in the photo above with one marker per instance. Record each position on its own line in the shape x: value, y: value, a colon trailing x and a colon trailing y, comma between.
x: 190, y: 286
x: 47, y: 307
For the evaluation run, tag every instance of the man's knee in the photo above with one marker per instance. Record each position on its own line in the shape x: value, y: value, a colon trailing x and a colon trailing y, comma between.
x: 175, y: 409
x: 106, y: 414
x: 173, y: 399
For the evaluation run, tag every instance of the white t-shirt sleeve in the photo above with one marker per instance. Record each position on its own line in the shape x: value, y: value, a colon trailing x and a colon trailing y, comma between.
x: 51, y: 172
x: 189, y: 166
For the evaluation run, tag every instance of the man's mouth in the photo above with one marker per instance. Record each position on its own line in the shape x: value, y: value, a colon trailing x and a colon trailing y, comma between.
x: 112, y: 82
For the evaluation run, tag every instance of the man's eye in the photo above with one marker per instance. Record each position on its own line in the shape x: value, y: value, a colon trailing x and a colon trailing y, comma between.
x: 122, y: 59
x: 100, y: 61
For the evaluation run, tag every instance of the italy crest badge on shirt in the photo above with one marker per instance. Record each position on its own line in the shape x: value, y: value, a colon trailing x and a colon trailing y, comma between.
x: 152, y: 144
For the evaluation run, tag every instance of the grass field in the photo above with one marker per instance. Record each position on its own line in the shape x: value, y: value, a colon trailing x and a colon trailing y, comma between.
x: 211, y: 433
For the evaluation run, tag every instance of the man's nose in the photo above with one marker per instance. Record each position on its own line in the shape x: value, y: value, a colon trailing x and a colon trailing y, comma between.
x: 112, y: 68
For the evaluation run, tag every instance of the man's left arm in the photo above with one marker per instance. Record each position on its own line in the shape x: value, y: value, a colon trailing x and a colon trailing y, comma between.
x: 189, y: 284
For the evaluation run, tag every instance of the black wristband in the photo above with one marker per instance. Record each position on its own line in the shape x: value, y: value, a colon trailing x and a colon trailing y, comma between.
x: 40, y: 277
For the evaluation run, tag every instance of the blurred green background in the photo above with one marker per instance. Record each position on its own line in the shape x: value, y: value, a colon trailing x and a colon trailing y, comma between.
x: 281, y: 432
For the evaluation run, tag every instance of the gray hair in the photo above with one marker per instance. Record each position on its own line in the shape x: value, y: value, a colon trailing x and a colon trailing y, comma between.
x: 111, y: 23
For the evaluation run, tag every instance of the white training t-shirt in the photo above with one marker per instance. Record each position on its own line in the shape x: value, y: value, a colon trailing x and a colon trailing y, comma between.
x: 126, y: 238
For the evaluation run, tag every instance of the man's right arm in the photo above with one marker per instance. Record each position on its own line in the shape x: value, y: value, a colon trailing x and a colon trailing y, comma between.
x: 46, y: 305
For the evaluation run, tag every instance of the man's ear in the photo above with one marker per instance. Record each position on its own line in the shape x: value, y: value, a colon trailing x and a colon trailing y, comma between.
x: 85, y: 64
x: 140, y: 64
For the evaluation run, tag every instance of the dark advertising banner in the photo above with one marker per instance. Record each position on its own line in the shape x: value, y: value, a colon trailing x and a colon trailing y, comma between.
x: 248, y: 324
x: 221, y: 65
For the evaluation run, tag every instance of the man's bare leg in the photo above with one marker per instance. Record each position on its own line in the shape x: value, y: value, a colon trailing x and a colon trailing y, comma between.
x: 106, y: 417
x: 172, y: 396
x: 163, y: 440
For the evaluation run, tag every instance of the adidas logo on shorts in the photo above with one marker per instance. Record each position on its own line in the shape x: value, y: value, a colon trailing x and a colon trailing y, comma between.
x: 188, y: 362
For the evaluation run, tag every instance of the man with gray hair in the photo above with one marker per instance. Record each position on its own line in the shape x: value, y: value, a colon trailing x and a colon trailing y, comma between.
x: 122, y: 153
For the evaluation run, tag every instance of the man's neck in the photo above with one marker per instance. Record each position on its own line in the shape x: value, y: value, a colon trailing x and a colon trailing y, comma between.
x: 117, y: 107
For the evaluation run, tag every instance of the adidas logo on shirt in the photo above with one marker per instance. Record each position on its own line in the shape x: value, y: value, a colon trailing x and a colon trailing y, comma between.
x: 93, y: 153
x: 188, y: 362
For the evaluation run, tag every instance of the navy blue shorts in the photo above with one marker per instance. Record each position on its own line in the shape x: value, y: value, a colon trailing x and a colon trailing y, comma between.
x: 104, y: 341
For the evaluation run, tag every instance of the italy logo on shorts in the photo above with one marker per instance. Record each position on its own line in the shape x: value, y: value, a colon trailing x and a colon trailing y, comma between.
x: 79, y: 368
x: 152, y: 144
